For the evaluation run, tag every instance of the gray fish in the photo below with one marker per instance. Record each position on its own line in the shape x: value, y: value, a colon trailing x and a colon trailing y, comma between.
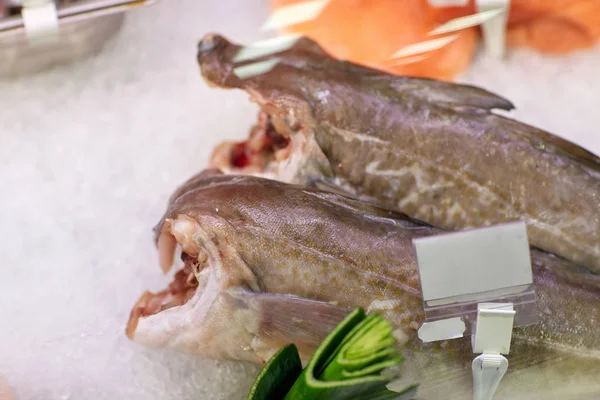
x: 430, y: 149
x: 266, y: 263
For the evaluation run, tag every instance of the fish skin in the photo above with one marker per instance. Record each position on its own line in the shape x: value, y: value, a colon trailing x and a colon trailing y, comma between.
x: 291, y: 261
x: 430, y: 149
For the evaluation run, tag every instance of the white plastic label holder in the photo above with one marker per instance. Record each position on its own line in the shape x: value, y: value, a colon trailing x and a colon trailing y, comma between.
x: 478, y: 283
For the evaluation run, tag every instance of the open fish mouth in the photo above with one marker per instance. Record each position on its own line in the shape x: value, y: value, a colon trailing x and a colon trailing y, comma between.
x: 180, y: 290
x: 277, y: 148
x: 155, y: 316
x: 264, y: 149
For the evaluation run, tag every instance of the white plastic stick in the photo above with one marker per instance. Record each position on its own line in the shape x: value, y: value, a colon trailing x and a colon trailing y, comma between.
x: 255, y: 69
x: 469, y: 21
x: 266, y: 47
x: 494, y: 29
x: 424, y: 47
x: 488, y: 371
x: 294, y: 14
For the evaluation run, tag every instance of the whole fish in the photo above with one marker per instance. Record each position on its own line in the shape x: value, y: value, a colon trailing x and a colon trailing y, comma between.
x: 266, y: 263
x: 432, y: 150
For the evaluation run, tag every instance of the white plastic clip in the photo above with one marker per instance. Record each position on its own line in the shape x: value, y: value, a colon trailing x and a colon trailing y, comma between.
x: 494, y: 29
x: 41, y: 21
x: 492, y: 339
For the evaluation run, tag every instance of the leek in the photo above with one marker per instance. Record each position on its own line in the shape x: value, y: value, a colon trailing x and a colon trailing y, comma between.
x: 347, y: 365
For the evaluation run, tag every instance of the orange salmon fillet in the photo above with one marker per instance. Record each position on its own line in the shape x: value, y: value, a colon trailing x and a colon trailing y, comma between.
x: 370, y: 31
x: 554, y: 26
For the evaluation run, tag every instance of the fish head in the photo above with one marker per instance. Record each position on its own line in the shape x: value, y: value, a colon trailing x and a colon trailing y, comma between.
x: 298, y: 83
x: 219, y: 58
x: 228, y: 296
x: 267, y: 263
x: 194, y: 314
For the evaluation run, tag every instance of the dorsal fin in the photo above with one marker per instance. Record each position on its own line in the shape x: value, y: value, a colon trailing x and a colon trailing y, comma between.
x: 450, y: 94
x: 547, y: 142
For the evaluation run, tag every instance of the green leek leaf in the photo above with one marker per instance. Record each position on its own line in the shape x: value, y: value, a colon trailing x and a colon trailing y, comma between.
x: 278, y: 375
x: 347, y: 365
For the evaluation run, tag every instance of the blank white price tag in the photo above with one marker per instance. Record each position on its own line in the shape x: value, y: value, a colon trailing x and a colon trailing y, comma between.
x: 461, y: 266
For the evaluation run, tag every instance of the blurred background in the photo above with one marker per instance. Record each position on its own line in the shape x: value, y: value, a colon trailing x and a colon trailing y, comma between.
x: 92, y: 146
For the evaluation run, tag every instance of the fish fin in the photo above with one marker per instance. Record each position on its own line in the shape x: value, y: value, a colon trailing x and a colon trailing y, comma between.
x: 365, y: 206
x: 430, y: 90
x: 333, y: 193
x: 474, y: 100
x: 551, y: 143
x: 284, y: 319
x: 194, y: 181
x: 326, y: 185
x: 308, y: 45
x: 450, y: 94
x: 565, y: 270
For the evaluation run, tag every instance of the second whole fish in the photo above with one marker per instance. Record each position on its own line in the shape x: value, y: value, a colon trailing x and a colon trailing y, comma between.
x: 265, y: 263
